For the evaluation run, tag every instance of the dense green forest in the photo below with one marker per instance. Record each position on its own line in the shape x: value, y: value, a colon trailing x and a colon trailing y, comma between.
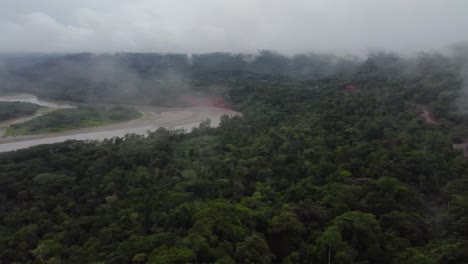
x: 66, y: 119
x: 9, y: 110
x: 152, y: 78
x: 335, y: 169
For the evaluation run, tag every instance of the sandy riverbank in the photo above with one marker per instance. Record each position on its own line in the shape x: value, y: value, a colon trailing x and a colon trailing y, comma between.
x: 153, y: 118
x: 157, y: 117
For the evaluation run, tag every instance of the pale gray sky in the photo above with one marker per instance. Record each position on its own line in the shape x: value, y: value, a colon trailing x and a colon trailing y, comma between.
x: 288, y: 26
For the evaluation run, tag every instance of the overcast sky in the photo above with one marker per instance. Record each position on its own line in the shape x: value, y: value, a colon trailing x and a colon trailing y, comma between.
x: 287, y: 26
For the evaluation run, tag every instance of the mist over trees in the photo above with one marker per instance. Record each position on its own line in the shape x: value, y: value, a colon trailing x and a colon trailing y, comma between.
x: 161, y: 79
x: 345, y: 139
x: 9, y: 110
x: 155, y: 79
x: 331, y: 162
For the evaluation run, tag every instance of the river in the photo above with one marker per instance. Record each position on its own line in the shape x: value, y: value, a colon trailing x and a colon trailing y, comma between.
x: 153, y: 118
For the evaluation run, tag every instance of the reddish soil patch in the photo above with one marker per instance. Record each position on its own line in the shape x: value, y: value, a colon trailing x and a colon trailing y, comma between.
x: 352, y: 88
x: 205, y: 101
x: 428, y: 116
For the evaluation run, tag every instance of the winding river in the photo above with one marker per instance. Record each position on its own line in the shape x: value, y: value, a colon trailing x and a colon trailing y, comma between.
x: 153, y: 118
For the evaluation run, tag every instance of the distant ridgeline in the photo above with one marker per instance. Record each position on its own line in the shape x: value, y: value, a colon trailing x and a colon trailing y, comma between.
x: 155, y: 79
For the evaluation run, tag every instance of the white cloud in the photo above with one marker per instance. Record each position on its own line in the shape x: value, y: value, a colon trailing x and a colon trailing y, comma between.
x: 230, y: 25
x: 40, y: 32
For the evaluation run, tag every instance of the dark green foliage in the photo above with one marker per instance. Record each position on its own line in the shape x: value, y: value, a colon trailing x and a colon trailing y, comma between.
x: 156, y: 79
x: 9, y: 110
x: 65, y: 119
x: 311, y: 173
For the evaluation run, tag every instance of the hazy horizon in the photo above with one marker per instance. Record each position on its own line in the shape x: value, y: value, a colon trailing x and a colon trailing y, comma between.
x: 242, y: 26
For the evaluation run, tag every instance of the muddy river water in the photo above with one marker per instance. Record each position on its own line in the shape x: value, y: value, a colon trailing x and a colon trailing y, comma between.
x: 152, y: 119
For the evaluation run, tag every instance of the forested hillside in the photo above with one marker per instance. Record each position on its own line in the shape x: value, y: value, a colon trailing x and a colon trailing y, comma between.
x: 152, y: 78
x: 339, y: 168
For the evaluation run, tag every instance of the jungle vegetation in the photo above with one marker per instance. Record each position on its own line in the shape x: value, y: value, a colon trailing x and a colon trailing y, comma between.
x: 315, y: 171
x: 10, y: 110
x: 73, y: 118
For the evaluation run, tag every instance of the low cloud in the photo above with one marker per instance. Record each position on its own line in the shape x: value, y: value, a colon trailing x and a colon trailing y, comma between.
x: 293, y: 26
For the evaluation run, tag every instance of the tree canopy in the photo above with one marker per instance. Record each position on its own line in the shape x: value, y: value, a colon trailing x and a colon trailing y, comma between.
x: 311, y: 173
